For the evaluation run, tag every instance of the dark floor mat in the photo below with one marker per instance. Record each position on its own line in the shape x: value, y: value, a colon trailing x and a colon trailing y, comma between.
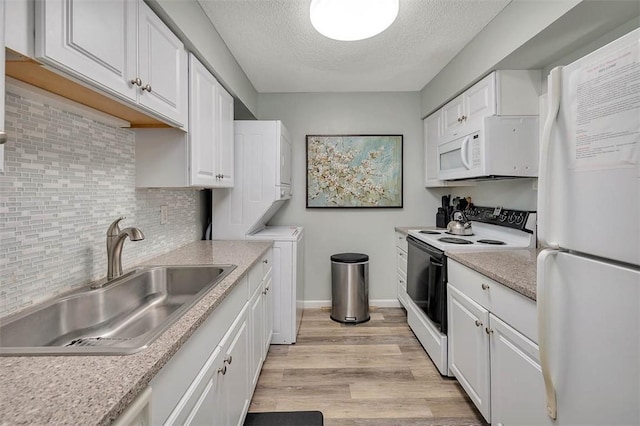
x: 285, y: 418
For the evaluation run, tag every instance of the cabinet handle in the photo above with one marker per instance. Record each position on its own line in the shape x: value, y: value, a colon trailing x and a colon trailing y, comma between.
x: 136, y: 81
x: 266, y: 290
x: 463, y: 118
x: 147, y: 88
x: 265, y: 261
x: 459, y: 119
x: 3, y: 137
x: 488, y: 330
x: 223, y: 370
x: 485, y: 286
x: 478, y: 323
x: 228, y: 359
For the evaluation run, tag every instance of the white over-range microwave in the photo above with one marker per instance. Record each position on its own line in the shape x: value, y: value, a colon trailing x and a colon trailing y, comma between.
x: 502, y: 146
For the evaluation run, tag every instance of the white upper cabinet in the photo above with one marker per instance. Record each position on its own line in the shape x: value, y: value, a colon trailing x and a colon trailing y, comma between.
x: 201, y: 158
x: 460, y: 114
x: 503, y: 92
x: 162, y: 67
x: 120, y: 47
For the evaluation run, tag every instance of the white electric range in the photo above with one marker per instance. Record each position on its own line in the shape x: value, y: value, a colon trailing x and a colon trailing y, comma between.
x: 494, y: 228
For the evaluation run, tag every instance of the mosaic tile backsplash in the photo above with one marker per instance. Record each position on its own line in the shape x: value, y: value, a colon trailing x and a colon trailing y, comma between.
x: 66, y: 179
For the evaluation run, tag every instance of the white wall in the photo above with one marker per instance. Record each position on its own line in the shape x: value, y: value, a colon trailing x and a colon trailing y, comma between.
x: 370, y: 231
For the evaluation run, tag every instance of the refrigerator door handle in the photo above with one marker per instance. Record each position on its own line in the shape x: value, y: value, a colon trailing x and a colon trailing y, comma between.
x: 543, y: 342
x: 553, y: 106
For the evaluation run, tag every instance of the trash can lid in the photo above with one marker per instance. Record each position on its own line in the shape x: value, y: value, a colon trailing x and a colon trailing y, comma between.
x: 350, y: 258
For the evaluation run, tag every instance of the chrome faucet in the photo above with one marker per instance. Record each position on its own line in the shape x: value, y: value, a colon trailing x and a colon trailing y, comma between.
x: 115, y: 242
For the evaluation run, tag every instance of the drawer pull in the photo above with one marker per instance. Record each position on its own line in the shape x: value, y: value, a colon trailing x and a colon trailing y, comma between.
x: 223, y: 370
x: 485, y: 286
x: 228, y: 359
x: 478, y: 323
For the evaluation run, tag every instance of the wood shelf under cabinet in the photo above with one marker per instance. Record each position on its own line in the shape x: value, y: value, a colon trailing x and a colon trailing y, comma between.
x: 35, y: 74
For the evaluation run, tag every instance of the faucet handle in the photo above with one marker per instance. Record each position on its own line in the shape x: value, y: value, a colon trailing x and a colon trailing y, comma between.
x: 114, y: 228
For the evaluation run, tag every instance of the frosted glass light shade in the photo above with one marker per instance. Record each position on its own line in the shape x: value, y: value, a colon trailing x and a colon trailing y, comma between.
x: 350, y: 20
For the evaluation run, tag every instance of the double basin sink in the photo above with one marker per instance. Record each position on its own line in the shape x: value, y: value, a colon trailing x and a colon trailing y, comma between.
x: 123, y: 317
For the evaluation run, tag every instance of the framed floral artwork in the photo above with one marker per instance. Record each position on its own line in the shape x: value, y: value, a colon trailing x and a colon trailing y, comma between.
x: 354, y: 171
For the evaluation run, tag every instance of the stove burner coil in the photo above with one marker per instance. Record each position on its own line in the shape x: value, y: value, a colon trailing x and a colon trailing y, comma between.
x: 454, y: 240
x: 451, y: 233
x: 430, y: 232
x: 493, y: 242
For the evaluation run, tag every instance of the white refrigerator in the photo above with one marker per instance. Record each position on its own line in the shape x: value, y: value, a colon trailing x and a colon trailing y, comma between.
x: 588, y: 223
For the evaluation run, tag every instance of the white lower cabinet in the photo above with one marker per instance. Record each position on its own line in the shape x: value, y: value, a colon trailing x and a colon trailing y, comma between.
x: 517, y: 387
x: 496, y: 363
x: 260, y: 316
x: 211, y: 379
x: 401, y: 268
x: 469, y: 348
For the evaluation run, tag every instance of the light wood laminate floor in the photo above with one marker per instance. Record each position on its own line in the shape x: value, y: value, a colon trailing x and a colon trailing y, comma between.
x: 375, y: 373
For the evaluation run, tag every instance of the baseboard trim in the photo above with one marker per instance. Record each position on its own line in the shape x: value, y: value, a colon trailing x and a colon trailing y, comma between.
x: 380, y: 303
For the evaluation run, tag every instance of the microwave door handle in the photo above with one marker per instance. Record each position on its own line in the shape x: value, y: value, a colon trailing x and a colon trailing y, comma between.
x: 464, y: 154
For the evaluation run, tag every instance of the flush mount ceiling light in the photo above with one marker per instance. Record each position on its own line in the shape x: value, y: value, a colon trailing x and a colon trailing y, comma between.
x: 350, y: 20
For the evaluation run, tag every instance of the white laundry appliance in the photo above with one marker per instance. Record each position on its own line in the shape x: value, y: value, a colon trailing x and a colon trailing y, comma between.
x: 262, y: 168
x: 588, y: 220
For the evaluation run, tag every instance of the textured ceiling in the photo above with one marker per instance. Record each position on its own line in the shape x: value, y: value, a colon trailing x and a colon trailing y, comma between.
x: 279, y: 50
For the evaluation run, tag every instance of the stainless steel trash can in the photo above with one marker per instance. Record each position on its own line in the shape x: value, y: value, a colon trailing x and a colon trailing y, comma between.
x: 350, y: 288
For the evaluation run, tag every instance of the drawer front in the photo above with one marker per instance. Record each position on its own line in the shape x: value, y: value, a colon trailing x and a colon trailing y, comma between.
x: 401, y: 241
x: 401, y: 261
x: 260, y: 271
x: 513, y: 308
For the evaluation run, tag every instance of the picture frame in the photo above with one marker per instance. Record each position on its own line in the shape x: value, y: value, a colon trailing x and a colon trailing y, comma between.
x: 354, y: 171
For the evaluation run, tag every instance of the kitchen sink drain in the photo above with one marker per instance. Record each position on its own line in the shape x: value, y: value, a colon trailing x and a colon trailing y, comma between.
x: 96, y: 341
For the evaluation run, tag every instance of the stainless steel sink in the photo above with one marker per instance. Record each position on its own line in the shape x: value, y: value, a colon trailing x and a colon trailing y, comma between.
x: 123, y: 317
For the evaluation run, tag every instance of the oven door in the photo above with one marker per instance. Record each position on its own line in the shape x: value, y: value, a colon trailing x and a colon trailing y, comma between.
x: 427, y: 280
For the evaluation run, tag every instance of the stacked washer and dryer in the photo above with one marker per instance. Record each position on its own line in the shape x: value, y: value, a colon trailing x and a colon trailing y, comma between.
x: 262, y: 169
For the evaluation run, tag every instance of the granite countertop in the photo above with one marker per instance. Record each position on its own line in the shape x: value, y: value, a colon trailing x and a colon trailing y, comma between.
x: 515, y: 269
x: 95, y: 390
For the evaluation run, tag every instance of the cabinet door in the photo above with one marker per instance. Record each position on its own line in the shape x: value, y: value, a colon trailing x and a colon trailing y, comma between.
x: 236, y: 379
x: 162, y: 68
x: 257, y: 330
x: 285, y: 160
x: 479, y: 101
x: 224, y: 138
x: 268, y: 313
x: 202, y: 403
x: 468, y: 343
x: 203, y: 124
x: 431, y: 137
x: 517, y: 386
x: 93, y: 40
x: 452, y: 119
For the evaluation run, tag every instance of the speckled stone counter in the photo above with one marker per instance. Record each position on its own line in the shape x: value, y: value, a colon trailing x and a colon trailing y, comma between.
x: 515, y: 269
x: 94, y: 390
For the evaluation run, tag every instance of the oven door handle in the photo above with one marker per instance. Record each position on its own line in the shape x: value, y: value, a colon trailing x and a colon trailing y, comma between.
x: 438, y: 264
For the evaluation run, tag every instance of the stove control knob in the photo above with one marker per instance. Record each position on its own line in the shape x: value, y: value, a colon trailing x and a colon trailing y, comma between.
x: 502, y: 217
x: 512, y: 218
x: 519, y: 219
